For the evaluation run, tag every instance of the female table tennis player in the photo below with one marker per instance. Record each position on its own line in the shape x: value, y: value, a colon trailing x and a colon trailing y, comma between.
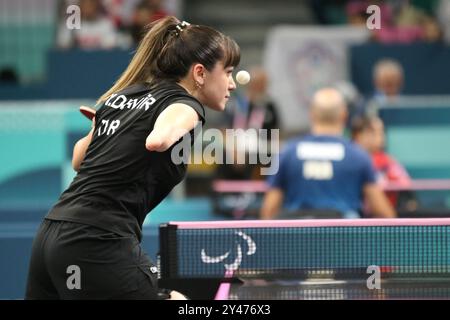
x: 88, y: 246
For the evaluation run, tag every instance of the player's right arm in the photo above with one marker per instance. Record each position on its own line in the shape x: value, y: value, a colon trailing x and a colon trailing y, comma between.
x: 272, y: 203
x: 174, y: 122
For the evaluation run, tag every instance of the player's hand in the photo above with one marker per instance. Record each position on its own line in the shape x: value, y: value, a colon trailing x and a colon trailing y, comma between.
x: 175, y: 295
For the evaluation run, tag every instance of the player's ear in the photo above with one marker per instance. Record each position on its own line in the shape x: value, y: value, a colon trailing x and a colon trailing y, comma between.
x: 198, y: 73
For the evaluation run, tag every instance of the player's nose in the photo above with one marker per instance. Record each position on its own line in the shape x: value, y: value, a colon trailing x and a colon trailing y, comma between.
x: 231, y: 84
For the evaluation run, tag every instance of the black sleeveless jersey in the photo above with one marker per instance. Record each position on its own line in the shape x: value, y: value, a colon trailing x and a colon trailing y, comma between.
x: 119, y: 180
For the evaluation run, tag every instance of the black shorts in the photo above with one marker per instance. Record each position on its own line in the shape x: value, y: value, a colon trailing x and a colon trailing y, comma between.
x: 76, y: 261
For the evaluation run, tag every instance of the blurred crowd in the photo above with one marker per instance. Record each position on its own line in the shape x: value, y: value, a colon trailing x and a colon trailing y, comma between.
x: 120, y: 23
x: 402, y: 21
x: 108, y: 23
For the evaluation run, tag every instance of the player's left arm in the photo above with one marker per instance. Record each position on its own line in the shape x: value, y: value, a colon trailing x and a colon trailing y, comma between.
x: 377, y: 201
x: 80, y: 148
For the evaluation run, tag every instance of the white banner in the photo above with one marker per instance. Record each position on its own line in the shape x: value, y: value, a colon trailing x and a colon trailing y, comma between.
x: 300, y: 60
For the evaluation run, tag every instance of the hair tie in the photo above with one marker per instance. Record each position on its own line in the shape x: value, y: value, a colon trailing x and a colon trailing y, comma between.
x: 180, y: 27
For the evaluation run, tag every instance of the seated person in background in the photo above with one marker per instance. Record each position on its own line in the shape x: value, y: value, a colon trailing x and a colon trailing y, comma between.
x: 141, y: 18
x: 368, y: 132
x: 388, y: 78
x: 255, y: 109
x: 325, y: 171
x: 97, y: 30
x: 251, y: 111
x: 146, y: 11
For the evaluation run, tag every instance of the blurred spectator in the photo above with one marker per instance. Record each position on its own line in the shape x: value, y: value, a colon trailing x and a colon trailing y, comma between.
x: 357, y: 15
x: 432, y: 31
x: 145, y: 12
x: 158, y: 11
x: 410, y: 23
x: 120, y: 11
x: 255, y: 109
x: 141, y: 17
x: 96, y: 32
x: 388, y: 78
x: 325, y: 171
x: 368, y: 132
x: 252, y: 110
x: 401, y: 20
x: 408, y: 15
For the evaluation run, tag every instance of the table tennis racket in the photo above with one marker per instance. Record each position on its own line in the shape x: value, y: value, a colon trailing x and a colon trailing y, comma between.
x: 87, y: 112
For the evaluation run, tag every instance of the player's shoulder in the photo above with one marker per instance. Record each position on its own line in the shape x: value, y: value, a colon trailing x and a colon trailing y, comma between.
x: 155, y: 88
x: 357, y: 151
x: 138, y: 88
x: 291, y: 144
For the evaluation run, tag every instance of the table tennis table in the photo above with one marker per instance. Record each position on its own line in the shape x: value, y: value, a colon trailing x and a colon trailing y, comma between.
x: 330, y: 259
x: 331, y: 289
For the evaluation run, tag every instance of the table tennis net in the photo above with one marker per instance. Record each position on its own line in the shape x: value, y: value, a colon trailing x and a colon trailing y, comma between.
x: 304, y: 249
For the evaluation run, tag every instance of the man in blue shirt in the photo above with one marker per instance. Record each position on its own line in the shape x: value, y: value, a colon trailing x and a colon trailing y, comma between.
x: 325, y: 171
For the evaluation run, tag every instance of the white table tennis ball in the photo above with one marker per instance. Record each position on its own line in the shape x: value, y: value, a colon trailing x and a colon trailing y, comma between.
x: 243, y: 77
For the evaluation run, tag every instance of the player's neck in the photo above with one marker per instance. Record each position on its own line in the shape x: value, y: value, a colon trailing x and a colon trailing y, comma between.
x: 190, y: 88
x: 327, y: 130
